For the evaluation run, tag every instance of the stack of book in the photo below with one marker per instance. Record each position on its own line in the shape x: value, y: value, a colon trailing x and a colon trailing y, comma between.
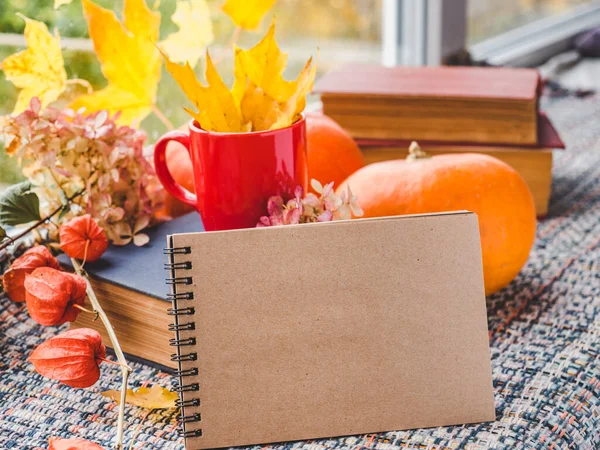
x: 446, y: 109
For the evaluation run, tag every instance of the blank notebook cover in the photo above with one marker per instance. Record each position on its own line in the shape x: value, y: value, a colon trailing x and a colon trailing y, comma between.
x: 330, y: 329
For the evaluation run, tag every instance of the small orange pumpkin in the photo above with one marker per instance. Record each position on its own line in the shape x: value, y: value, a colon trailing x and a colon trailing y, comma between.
x: 471, y: 181
x: 180, y: 166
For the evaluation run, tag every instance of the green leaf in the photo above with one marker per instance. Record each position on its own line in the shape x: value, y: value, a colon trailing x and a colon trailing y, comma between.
x: 2, y: 234
x: 18, y: 205
x: 63, y: 212
x: 63, y: 197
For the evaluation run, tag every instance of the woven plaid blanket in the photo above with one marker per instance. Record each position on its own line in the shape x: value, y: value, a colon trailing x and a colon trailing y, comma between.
x: 544, y: 338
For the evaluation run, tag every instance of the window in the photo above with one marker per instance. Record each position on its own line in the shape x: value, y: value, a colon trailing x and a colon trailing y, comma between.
x: 507, y: 32
x: 489, y: 18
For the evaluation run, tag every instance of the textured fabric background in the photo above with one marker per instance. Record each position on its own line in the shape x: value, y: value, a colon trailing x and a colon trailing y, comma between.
x: 544, y: 336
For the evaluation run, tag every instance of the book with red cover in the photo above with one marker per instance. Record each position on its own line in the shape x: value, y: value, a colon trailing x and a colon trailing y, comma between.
x: 455, y: 104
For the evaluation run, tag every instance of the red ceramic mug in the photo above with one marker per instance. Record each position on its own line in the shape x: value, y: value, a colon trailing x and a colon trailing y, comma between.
x: 236, y: 173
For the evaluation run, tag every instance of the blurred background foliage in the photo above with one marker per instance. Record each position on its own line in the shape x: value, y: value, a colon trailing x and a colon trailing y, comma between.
x: 302, y: 27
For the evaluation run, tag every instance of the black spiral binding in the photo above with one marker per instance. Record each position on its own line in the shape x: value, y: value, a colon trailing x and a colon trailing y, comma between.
x: 181, y: 324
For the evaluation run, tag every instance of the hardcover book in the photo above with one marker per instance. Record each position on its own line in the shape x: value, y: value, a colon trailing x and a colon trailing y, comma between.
x: 458, y: 104
x: 130, y: 284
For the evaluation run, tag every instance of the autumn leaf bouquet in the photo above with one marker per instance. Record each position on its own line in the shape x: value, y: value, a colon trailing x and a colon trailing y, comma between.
x: 82, y: 152
x: 260, y: 98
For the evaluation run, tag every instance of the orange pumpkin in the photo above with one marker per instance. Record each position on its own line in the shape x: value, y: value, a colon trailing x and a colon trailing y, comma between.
x: 475, y: 182
x: 180, y: 166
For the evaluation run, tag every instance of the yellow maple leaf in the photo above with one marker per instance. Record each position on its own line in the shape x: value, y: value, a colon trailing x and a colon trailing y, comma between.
x: 155, y: 397
x: 217, y: 110
x: 260, y: 98
x: 195, y: 32
x: 259, y: 109
x: 264, y: 97
x: 247, y: 13
x: 39, y: 71
x: 291, y: 109
x: 129, y: 60
x: 264, y: 64
x: 240, y: 80
x: 220, y: 99
x: 265, y: 113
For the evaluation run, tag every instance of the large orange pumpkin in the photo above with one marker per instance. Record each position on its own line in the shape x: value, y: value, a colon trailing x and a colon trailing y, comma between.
x: 475, y: 182
x: 332, y: 153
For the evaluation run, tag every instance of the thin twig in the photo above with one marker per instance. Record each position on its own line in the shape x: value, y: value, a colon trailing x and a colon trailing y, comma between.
x: 139, y: 428
x: 162, y: 118
x: 125, y: 369
x: 13, y: 239
x: 234, y: 37
x: 81, y: 82
x: 53, y: 175
x: 89, y: 311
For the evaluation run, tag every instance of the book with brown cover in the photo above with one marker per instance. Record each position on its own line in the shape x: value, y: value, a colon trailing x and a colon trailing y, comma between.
x: 457, y: 104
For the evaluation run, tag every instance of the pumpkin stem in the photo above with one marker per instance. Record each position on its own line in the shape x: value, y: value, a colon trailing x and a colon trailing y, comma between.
x: 415, y: 152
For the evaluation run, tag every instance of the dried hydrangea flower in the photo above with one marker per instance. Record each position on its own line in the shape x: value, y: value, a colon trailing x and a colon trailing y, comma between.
x: 125, y: 234
x: 330, y: 200
x: 65, y: 152
x: 326, y: 207
x: 349, y: 206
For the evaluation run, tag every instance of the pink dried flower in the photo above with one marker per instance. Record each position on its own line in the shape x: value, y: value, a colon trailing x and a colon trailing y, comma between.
x: 64, y: 152
x: 327, y: 207
x: 325, y: 216
x: 328, y: 196
x: 280, y: 214
x: 349, y: 206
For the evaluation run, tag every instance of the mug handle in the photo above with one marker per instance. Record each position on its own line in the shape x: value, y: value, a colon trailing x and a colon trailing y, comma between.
x: 160, y: 165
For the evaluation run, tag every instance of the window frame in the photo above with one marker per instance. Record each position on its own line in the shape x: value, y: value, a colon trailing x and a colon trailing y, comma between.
x: 425, y: 32
x: 536, y: 42
x: 422, y: 32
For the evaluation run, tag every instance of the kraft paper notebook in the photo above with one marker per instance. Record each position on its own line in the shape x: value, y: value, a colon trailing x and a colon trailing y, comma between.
x: 331, y: 329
